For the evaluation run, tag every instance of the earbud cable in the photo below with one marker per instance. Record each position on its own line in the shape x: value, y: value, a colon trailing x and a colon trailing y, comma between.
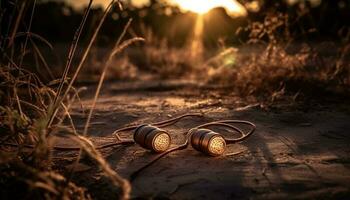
x: 68, y: 148
x: 160, y: 124
x: 115, y: 133
x: 188, y: 134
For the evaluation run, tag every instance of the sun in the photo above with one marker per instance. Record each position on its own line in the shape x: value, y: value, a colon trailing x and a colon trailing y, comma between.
x: 203, y: 6
x: 195, y: 6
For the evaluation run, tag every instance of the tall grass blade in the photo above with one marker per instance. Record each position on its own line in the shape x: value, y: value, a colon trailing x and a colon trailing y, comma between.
x: 56, y: 105
x: 72, y: 50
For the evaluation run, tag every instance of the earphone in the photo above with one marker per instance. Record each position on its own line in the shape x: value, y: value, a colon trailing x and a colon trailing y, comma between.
x: 152, y: 136
x: 206, y: 140
x: 158, y: 140
x: 212, y: 143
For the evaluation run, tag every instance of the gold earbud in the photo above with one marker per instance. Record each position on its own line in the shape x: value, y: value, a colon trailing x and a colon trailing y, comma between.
x: 208, y: 142
x: 152, y: 138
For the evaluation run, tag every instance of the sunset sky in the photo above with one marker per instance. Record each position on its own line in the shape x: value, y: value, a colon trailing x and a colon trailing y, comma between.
x: 198, y: 6
x: 80, y: 3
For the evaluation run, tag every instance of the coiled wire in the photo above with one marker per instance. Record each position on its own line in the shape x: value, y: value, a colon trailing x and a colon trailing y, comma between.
x: 188, y: 134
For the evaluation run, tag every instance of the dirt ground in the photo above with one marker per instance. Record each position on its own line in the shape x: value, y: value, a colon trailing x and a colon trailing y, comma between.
x: 294, y: 153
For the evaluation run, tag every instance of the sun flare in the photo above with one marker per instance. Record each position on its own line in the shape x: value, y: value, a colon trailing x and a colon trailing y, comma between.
x: 203, y: 6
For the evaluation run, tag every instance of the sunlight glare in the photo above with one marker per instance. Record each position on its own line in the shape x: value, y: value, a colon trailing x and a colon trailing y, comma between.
x: 203, y: 6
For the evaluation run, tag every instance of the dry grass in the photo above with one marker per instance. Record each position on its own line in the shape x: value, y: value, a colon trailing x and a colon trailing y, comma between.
x: 163, y: 60
x: 270, y: 65
x: 31, y: 111
x: 280, y: 67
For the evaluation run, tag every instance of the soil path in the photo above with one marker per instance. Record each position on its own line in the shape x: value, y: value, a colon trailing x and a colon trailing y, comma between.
x: 293, y: 154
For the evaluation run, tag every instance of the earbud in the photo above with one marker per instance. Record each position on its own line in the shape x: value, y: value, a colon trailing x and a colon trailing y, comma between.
x: 208, y: 142
x: 152, y: 138
x: 201, y: 139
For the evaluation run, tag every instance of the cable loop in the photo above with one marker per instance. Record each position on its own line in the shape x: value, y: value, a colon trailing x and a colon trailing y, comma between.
x: 160, y: 124
x: 223, y: 123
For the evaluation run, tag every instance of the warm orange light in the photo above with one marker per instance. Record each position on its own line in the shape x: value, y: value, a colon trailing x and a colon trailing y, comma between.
x: 161, y: 142
x: 217, y: 146
x: 203, y: 6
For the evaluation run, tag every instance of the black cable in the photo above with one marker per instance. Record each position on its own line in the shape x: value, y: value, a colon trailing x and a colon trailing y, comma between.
x: 165, y: 123
x: 58, y: 148
x: 188, y: 134
x: 160, y: 124
x: 115, y: 133
x: 230, y: 140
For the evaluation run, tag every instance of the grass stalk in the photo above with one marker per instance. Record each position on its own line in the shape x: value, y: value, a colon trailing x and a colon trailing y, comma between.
x: 72, y: 50
x: 107, y: 63
x: 56, y: 105
x: 18, y: 20
x: 27, y: 36
x: 116, y: 179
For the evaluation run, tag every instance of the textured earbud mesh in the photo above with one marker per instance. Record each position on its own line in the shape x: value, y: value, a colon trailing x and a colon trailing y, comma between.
x: 161, y: 142
x: 217, y: 145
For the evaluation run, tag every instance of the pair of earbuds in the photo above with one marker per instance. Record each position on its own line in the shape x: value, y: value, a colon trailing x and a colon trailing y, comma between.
x: 153, y: 137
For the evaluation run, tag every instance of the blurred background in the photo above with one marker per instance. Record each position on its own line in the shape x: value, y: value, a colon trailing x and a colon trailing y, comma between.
x: 174, y: 20
x: 258, y: 47
x: 176, y: 31
x: 205, y: 29
x: 218, y: 42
